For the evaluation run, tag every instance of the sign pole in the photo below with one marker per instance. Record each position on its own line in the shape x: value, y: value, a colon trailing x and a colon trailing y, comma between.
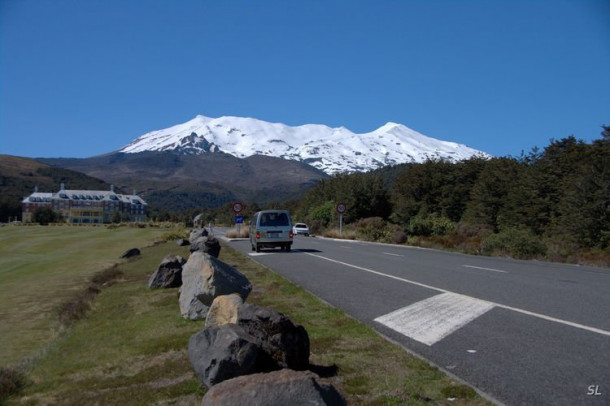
x: 239, y: 219
x: 341, y: 209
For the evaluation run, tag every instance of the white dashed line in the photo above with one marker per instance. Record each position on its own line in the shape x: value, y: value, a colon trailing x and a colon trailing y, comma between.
x: 485, y: 269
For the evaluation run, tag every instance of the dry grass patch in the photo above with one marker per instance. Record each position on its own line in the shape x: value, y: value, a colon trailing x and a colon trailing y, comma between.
x: 343, y: 234
x: 241, y: 233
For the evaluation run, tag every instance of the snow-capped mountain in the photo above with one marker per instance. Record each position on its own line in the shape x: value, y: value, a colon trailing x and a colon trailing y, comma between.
x: 332, y: 150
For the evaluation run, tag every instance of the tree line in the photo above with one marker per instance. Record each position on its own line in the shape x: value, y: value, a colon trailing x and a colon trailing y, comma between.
x: 550, y: 203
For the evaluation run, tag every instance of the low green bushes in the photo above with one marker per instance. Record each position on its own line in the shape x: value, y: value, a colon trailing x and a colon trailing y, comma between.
x: 471, y: 238
x: 515, y: 242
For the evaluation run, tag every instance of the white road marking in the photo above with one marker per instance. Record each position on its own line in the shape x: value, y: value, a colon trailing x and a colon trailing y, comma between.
x: 485, y: 269
x: 515, y: 309
x: 258, y: 254
x: 433, y: 319
x: 394, y: 255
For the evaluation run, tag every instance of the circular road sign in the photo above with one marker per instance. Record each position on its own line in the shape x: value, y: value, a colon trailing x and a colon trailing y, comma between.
x: 341, y: 208
x: 237, y: 207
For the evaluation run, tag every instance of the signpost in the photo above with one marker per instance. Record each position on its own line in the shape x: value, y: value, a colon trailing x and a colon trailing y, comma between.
x: 341, y: 209
x: 239, y: 219
x: 237, y: 207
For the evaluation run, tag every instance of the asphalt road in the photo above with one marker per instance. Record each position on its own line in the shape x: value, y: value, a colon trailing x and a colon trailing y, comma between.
x: 521, y: 332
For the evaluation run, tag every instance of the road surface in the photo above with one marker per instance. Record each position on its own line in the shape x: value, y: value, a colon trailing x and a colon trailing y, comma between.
x: 521, y: 332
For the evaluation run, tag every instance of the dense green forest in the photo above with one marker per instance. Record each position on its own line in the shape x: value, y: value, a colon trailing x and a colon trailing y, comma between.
x: 552, y: 203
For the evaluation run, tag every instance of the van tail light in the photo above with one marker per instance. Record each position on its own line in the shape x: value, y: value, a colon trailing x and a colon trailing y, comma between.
x: 258, y: 235
x: 291, y: 235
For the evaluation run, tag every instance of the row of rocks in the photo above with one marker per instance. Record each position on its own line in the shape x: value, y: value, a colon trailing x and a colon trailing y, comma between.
x: 169, y: 271
x: 245, y: 354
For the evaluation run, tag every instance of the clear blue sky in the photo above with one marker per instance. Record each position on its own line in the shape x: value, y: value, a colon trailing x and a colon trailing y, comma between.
x: 85, y: 77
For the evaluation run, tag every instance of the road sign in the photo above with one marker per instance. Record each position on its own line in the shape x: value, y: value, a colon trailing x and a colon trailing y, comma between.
x: 341, y: 208
x: 239, y: 219
x: 237, y: 207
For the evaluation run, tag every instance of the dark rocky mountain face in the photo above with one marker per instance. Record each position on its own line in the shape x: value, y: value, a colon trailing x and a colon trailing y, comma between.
x: 173, y: 182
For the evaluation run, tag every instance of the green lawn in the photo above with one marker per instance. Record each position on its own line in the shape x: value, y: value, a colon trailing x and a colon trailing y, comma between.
x: 42, y: 267
x: 131, y: 348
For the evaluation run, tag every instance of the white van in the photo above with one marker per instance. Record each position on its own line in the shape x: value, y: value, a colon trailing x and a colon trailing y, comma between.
x: 270, y: 229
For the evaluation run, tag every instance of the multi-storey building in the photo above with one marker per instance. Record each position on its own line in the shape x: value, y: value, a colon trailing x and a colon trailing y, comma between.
x: 87, y: 206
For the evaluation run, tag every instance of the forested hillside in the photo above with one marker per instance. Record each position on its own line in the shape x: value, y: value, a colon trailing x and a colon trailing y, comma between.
x: 552, y: 203
x: 19, y: 176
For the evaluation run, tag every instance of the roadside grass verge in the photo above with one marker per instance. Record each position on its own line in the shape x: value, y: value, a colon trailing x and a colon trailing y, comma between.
x: 130, y: 346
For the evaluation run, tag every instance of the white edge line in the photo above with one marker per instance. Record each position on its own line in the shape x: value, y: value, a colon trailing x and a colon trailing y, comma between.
x: 515, y: 309
x: 485, y: 269
x: 394, y: 255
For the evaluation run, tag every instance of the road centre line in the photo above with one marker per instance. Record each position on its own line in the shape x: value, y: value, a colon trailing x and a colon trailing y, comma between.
x: 485, y: 269
x: 515, y: 309
x: 394, y: 255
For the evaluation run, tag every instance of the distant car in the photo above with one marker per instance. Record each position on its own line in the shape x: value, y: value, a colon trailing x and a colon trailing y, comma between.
x: 300, y: 228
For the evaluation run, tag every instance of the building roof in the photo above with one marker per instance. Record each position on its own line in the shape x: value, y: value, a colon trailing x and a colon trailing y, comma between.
x: 91, y: 195
x: 38, y: 197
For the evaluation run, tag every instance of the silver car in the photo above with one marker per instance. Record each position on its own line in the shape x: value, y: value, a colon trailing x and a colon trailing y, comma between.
x: 270, y: 229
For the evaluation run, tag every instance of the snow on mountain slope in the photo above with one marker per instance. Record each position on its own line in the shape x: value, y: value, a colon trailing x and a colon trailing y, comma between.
x: 332, y: 150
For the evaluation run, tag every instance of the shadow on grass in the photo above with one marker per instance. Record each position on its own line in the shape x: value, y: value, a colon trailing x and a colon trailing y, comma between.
x: 324, y: 371
x: 76, y: 308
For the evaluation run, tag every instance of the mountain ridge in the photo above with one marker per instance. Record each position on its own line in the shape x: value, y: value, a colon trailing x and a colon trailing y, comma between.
x: 332, y: 150
x: 177, y: 182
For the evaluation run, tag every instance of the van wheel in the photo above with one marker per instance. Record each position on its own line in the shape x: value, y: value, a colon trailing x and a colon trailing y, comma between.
x: 258, y: 248
x: 287, y: 247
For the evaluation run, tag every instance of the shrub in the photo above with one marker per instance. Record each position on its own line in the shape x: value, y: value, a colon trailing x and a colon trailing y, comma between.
x: 11, y: 382
x: 345, y: 234
x: 372, y: 229
x: 323, y: 213
x: 515, y: 242
x: 466, y: 229
x: 315, y: 226
x: 44, y: 216
x: 431, y: 225
x: 172, y: 236
x: 399, y: 236
x: 242, y: 233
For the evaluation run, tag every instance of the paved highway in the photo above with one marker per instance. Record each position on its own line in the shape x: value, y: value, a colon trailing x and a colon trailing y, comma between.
x: 522, y: 332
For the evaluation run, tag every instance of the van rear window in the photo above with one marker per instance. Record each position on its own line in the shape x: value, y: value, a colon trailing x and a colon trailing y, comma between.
x: 274, y: 220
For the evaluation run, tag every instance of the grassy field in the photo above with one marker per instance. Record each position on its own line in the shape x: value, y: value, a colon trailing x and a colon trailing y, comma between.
x: 131, y: 346
x: 42, y: 267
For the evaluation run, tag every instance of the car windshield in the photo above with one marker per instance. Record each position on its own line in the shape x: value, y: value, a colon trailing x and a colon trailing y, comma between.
x: 274, y: 220
x: 301, y: 225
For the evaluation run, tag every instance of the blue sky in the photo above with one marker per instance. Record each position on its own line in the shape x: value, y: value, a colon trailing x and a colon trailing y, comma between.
x: 81, y: 78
